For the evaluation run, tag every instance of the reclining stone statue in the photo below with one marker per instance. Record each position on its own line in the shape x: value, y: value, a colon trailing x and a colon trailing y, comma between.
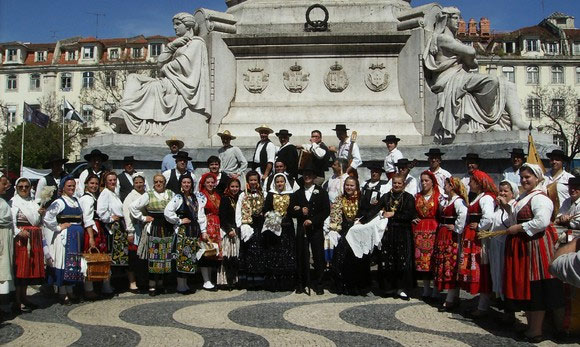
x: 467, y: 102
x: 149, y: 104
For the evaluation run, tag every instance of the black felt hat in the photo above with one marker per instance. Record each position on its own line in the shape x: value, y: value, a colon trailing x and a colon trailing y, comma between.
x: 340, y: 127
x: 574, y: 181
x: 96, y: 153
x: 128, y: 159
x: 471, y: 156
x: 284, y: 132
x: 403, y: 162
x: 434, y: 152
x: 518, y: 152
x: 391, y: 138
x: 182, y: 155
x: 558, y: 153
x: 376, y: 167
x: 54, y: 160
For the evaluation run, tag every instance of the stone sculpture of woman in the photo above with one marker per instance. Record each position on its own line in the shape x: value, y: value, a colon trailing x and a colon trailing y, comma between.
x: 149, y: 104
x: 467, y: 102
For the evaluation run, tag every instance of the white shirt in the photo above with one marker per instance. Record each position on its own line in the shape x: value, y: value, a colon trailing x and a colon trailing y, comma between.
x: 343, y: 149
x: 512, y: 176
x: 460, y: 210
x: 391, y: 159
x: 108, y: 205
x: 465, y: 180
x: 411, y: 185
x: 138, y: 206
x: 382, y: 190
x: 315, y: 149
x: 335, y: 186
x: 487, y: 206
x: 80, y: 189
x: 562, y: 187
x: 270, y: 154
x: 40, y: 185
x: 441, y: 175
x: 129, y: 199
x: 542, y: 208
x: 232, y: 160
x: 169, y: 163
x: 54, y: 209
x: 572, y: 209
x: 167, y: 175
x: 175, y: 203
x: 87, y: 203
x: 308, y: 192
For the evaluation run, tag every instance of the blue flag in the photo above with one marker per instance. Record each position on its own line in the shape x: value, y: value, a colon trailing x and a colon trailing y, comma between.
x: 35, y: 116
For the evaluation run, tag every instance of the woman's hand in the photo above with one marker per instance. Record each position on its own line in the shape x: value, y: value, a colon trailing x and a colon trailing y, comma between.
x: 388, y: 214
x: 115, y: 218
x: 232, y: 234
x: 185, y: 221
x: 450, y: 227
x: 64, y: 226
x: 416, y: 220
x: 204, y: 237
x: 92, y: 242
x: 131, y: 238
x: 514, y: 229
x: 24, y: 234
x: 148, y: 219
x: 305, y: 211
x: 41, y: 211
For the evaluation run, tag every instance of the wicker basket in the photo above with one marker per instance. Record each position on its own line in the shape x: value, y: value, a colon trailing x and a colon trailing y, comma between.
x: 98, y: 266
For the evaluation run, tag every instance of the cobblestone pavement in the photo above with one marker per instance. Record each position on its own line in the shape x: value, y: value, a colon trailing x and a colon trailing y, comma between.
x: 250, y: 318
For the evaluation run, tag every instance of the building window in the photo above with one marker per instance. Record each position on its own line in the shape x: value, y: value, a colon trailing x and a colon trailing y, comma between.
x: 40, y: 56
x: 557, y: 75
x: 559, y: 141
x: 533, y: 108
x: 88, y: 79
x: 578, y: 109
x: 154, y: 49
x: 66, y: 81
x: 552, y: 48
x: 509, y: 47
x: 114, y: 53
x: 11, y: 55
x: 12, y: 82
x: 533, y: 75
x: 532, y: 46
x: 136, y: 53
x: 110, y: 79
x: 576, y: 48
x: 509, y: 73
x: 11, y: 114
x: 578, y: 75
x: 70, y: 55
x: 558, y: 107
x: 87, y: 112
x: 89, y: 52
x: 35, y: 81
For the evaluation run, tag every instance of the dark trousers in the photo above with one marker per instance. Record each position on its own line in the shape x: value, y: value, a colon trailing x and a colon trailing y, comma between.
x: 314, y: 239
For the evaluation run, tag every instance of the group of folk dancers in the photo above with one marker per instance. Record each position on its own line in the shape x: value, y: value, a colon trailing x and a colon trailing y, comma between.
x: 260, y: 234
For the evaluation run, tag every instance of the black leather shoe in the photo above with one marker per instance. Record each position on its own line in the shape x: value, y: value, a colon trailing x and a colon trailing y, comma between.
x: 153, y: 292
x: 319, y: 291
x: 299, y: 290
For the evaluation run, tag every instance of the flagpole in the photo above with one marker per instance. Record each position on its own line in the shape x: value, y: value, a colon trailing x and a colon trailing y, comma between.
x: 22, y: 149
x: 63, y: 127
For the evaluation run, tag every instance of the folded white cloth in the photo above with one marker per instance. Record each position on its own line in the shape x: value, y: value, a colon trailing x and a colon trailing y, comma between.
x: 331, y: 239
x: 273, y: 223
x: 362, y: 238
x: 246, y: 232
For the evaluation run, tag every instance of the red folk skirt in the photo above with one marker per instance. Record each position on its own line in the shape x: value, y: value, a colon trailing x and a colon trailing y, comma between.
x: 474, y: 270
x: 527, y: 259
x: 100, y: 237
x: 29, y: 264
x: 424, y: 237
x: 213, y: 233
x: 445, y: 258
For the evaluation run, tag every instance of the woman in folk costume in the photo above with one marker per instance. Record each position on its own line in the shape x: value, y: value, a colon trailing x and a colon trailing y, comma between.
x: 110, y: 212
x: 186, y: 213
x: 427, y: 203
x: 228, y: 272
x: 134, y: 228
x: 508, y: 192
x: 250, y: 217
x: 209, y: 201
x: 528, y: 286
x: 447, y: 251
x: 64, y: 218
x: 474, y: 273
x: 95, y: 234
x: 157, y: 237
x: 6, y: 244
x: 348, y: 270
x: 396, y: 270
x: 28, y: 244
x: 279, y: 236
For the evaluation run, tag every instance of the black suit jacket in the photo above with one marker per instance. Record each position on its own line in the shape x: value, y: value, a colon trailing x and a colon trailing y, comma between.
x: 289, y: 155
x: 318, y: 207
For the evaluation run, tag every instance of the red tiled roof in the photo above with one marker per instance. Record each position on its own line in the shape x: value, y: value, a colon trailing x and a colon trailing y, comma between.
x: 572, y: 33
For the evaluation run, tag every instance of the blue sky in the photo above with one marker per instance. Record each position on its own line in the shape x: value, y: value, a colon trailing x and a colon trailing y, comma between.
x: 46, y: 21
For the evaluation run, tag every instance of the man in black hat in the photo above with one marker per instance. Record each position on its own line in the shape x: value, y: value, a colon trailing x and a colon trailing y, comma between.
x: 320, y: 155
x: 472, y: 163
x: 95, y: 161
x: 569, y: 214
x: 393, y: 155
x: 344, y: 145
x: 372, y: 191
x: 434, y: 157
x: 173, y: 176
x: 265, y: 153
x: 512, y: 174
x: 168, y: 162
x: 125, y: 178
x: 404, y: 168
x: 310, y: 206
x: 287, y: 153
x: 51, y: 180
x: 558, y: 174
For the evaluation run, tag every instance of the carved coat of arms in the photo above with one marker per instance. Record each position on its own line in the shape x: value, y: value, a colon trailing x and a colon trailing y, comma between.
x: 377, y: 78
x: 256, y: 80
x: 336, y: 79
x: 295, y: 79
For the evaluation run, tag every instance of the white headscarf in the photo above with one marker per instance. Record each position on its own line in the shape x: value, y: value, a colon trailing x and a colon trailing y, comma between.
x: 138, y: 174
x: 287, y: 186
x: 536, y: 169
x: 26, y: 205
x: 513, y: 186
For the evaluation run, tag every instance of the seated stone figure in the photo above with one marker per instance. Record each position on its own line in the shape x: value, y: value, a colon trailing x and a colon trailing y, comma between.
x: 148, y: 104
x: 467, y: 102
